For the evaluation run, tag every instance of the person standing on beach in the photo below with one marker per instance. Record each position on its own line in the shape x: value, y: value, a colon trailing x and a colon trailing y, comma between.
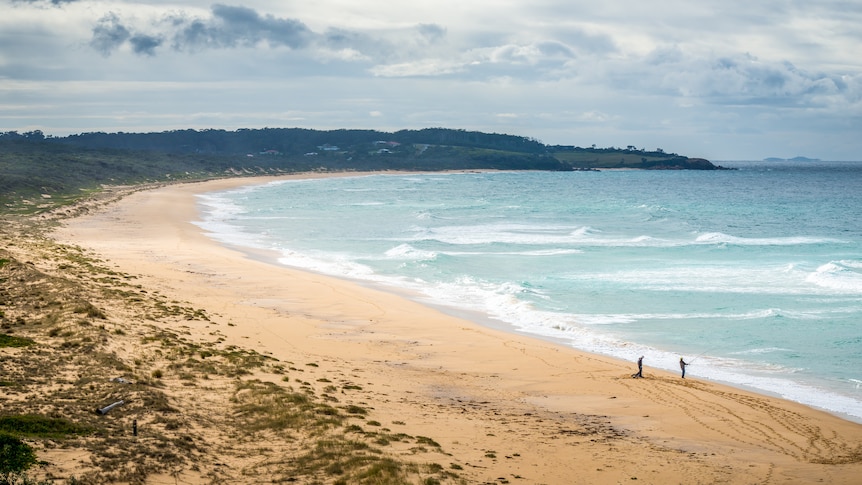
x: 682, y: 365
x: 640, y: 372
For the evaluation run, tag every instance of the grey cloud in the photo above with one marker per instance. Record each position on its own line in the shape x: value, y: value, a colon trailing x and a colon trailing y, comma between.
x: 587, y: 43
x: 765, y: 83
x: 431, y: 32
x: 233, y: 26
x: 531, y: 54
x: 555, y: 49
x: 540, y: 60
x: 736, y: 80
x: 229, y: 27
x: 194, y: 33
x: 109, y: 34
x: 341, y: 39
x: 664, y: 55
x: 145, y: 44
x: 398, y: 45
x: 52, y: 2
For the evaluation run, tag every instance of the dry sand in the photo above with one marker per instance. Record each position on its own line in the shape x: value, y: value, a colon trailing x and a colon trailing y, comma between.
x: 513, y: 409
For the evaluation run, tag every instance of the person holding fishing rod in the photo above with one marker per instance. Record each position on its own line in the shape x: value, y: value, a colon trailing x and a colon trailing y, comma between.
x: 682, y: 365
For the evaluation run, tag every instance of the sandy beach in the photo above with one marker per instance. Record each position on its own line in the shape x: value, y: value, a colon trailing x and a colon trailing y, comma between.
x: 504, y: 407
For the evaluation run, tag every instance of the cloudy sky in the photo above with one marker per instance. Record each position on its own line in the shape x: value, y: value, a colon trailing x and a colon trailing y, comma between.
x: 719, y: 79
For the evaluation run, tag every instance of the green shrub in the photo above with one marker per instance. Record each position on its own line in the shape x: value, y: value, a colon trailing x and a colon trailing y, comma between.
x: 15, y: 455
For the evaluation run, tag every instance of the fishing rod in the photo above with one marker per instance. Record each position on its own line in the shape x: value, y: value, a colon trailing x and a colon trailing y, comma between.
x: 697, y: 356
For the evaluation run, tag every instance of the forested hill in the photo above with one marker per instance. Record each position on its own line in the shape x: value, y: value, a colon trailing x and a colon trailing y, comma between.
x: 299, y: 141
x: 33, y: 165
x: 426, y: 148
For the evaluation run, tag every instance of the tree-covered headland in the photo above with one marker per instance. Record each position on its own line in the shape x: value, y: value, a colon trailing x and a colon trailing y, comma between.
x: 40, y: 168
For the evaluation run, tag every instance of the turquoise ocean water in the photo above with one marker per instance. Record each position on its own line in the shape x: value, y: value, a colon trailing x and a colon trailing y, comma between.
x: 754, y: 275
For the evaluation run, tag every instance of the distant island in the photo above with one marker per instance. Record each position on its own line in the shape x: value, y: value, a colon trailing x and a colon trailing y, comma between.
x: 43, y: 169
x: 794, y: 159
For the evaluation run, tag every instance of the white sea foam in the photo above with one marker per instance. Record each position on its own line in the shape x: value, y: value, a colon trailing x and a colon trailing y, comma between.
x: 504, y: 233
x: 331, y: 264
x: 606, y: 319
x: 844, y: 276
x: 765, y: 350
x: 221, y: 222
x: 523, y: 234
x: 618, y: 318
x: 408, y: 252
x: 542, y: 252
x: 719, y: 238
x: 537, y: 252
x: 508, y: 233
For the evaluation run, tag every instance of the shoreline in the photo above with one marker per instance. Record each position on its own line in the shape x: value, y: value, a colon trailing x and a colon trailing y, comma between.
x: 419, y: 358
x: 718, y: 370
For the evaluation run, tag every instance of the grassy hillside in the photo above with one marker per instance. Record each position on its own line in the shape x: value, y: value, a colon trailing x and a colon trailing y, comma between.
x: 630, y: 159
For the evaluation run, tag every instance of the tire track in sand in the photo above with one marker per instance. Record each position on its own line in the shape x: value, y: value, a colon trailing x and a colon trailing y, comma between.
x: 760, y: 423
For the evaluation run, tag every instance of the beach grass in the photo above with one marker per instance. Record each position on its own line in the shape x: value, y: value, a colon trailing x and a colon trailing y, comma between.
x: 82, y: 336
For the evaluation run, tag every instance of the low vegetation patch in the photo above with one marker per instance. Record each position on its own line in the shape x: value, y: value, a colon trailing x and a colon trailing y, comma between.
x: 13, y: 341
x: 268, y: 406
x: 35, y: 426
